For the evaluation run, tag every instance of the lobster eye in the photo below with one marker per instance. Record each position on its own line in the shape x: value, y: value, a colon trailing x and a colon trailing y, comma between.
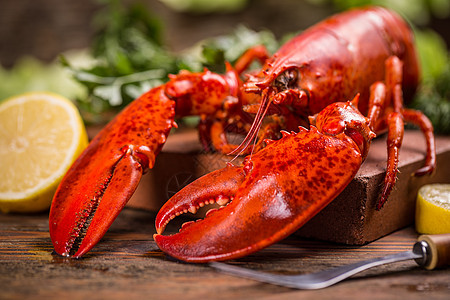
x: 287, y: 80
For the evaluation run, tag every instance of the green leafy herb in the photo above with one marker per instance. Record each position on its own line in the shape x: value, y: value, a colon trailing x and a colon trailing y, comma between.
x: 433, y: 95
x: 230, y: 47
x: 433, y: 99
x: 205, y: 6
x: 130, y: 58
x: 432, y: 52
x: 30, y: 74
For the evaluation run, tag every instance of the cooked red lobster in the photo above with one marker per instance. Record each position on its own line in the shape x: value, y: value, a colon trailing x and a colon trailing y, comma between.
x: 367, y: 54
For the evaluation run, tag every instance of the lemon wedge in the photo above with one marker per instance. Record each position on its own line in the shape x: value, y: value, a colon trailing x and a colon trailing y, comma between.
x: 433, y: 209
x: 41, y: 134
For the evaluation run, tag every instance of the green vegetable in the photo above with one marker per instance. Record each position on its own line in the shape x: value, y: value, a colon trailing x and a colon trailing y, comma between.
x: 230, y: 47
x: 30, y: 74
x: 433, y: 99
x: 433, y: 53
x: 205, y: 6
x: 433, y: 95
x: 130, y: 59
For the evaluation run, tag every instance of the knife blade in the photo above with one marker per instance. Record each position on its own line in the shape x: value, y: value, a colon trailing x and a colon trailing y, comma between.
x: 430, y: 252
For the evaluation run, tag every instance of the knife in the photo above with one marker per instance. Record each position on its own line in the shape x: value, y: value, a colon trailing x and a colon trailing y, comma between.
x: 430, y: 252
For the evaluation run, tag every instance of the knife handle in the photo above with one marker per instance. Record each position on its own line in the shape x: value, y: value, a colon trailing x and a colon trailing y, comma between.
x: 438, y: 250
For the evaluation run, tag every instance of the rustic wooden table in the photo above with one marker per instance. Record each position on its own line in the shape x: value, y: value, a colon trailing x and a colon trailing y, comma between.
x: 128, y: 264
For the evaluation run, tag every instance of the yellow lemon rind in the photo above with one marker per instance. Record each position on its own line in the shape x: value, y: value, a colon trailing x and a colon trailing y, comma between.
x: 431, y: 218
x: 39, y: 198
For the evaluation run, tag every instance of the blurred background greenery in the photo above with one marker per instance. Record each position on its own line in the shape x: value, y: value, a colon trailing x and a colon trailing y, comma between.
x: 117, y: 49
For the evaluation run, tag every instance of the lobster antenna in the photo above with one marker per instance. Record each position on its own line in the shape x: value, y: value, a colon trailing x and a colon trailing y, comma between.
x: 252, y: 133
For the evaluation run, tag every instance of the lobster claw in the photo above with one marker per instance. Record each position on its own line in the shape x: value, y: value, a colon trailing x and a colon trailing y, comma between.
x: 274, y: 193
x: 103, y: 178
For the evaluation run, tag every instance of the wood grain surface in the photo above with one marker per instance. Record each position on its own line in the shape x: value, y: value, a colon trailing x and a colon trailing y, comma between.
x: 128, y: 264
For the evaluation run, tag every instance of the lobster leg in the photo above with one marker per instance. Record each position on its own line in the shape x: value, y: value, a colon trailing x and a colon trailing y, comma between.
x: 395, y: 126
x: 259, y: 53
x: 213, y: 128
x: 419, y: 119
x: 394, y: 142
x: 273, y: 193
x: 386, y: 112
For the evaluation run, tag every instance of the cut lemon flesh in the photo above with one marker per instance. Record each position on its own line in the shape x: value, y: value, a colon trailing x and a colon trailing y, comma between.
x: 41, y: 134
x: 433, y: 209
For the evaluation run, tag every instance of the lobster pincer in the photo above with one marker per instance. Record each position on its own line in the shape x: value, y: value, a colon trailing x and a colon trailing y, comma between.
x: 103, y: 178
x: 273, y: 193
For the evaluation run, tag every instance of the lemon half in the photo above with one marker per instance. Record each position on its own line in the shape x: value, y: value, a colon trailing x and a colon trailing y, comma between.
x: 433, y: 209
x: 41, y: 134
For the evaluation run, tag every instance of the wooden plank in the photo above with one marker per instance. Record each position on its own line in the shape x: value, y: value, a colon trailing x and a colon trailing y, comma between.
x: 128, y: 264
